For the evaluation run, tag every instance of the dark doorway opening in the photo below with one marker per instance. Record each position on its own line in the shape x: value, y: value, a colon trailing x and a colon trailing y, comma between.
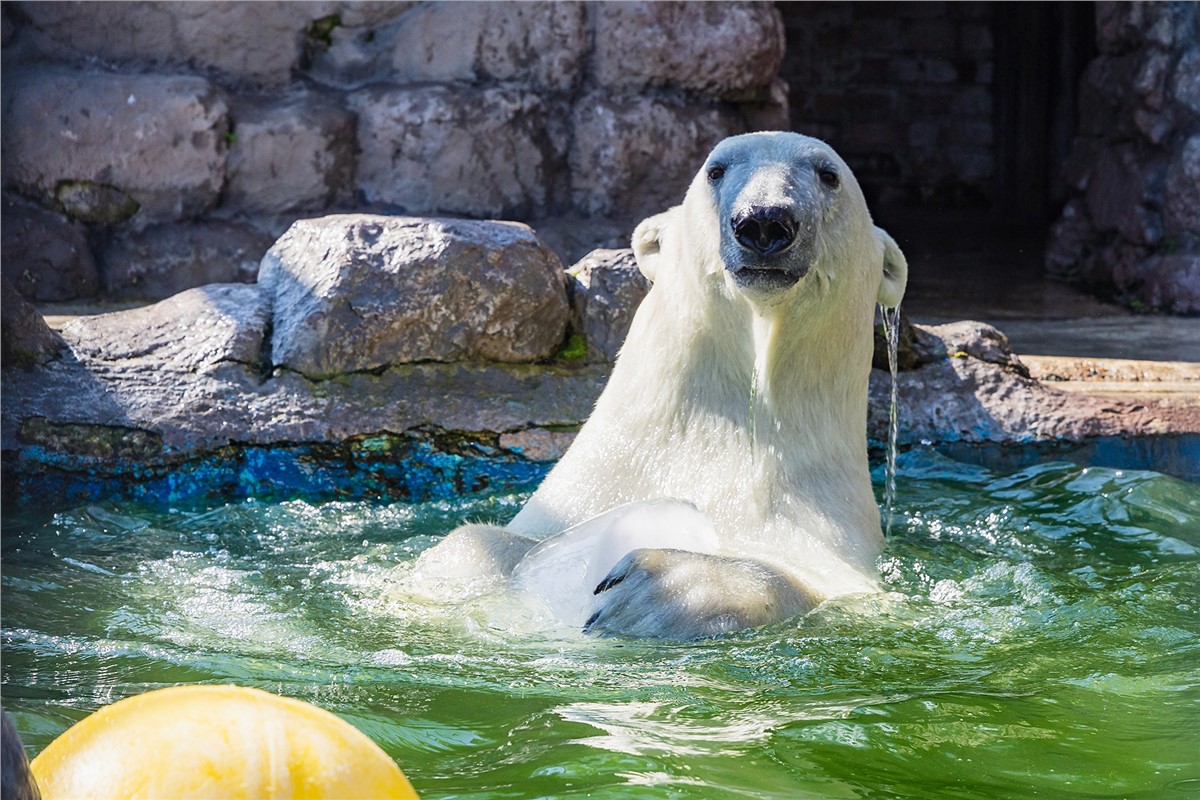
x: 956, y: 118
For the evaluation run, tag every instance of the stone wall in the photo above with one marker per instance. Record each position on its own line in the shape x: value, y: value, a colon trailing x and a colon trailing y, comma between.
x: 904, y: 91
x: 1131, y: 226
x: 168, y: 144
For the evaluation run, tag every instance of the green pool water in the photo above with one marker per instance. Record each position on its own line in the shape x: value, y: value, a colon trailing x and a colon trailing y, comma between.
x: 1040, y: 637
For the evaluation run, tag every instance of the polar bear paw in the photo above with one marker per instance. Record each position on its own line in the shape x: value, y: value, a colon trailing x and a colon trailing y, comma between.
x: 679, y: 594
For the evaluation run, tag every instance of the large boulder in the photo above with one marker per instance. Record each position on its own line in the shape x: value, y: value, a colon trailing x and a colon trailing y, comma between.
x: 103, y: 146
x: 458, y: 150
x: 355, y: 292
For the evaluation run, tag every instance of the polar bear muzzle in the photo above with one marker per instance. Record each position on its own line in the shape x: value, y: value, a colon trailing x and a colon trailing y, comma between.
x: 763, y: 238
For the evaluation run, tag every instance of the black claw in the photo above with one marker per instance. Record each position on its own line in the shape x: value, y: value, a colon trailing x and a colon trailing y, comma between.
x: 609, y: 582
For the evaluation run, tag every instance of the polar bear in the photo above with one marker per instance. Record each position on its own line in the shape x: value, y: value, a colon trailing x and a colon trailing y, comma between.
x: 722, y: 481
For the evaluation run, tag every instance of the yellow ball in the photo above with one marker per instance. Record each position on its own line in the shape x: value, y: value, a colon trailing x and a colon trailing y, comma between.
x: 216, y: 742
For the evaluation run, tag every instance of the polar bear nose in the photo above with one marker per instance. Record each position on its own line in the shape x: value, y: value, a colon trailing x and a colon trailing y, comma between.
x: 764, y: 230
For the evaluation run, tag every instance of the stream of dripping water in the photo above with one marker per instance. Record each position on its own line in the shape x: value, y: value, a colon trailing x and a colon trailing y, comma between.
x: 891, y: 327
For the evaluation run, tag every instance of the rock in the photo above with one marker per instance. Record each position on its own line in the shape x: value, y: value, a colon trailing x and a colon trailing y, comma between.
x: 1186, y: 82
x: 538, y: 444
x: 295, y: 155
x: 1117, y: 196
x: 194, y: 331
x: 94, y: 203
x: 259, y: 43
x: 965, y: 399
x: 165, y: 259
x: 915, y: 347
x: 44, y: 255
x: 61, y: 127
x: 25, y: 339
x: 1181, y: 195
x: 458, y: 150
x: 1068, y: 240
x: 572, y: 236
x: 607, y: 289
x: 772, y: 112
x: 1168, y: 282
x: 370, y: 14
x: 711, y: 48
x: 537, y: 44
x: 354, y: 292
x: 976, y: 340
x: 618, y: 163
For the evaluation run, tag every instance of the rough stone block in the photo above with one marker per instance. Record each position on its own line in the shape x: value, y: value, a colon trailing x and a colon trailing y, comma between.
x: 458, y: 150
x: 357, y: 292
x: 193, y: 331
x: 258, y: 42
x: 540, y: 44
x: 45, y: 256
x: 155, y: 140
x: 607, y: 289
x: 618, y: 162
x: 165, y: 259
x: 297, y: 155
x: 712, y: 48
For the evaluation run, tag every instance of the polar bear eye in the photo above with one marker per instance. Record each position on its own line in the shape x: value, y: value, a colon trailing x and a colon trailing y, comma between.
x: 716, y: 172
x: 828, y: 176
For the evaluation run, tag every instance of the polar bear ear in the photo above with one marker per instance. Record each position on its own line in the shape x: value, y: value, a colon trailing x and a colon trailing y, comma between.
x: 895, y: 271
x: 647, y: 242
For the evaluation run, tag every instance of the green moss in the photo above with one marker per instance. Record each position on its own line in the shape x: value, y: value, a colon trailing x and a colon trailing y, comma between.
x: 321, y: 30
x: 97, y: 203
x: 105, y: 442
x: 575, y: 349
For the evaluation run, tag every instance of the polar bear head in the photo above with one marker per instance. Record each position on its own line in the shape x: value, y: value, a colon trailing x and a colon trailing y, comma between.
x: 775, y: 216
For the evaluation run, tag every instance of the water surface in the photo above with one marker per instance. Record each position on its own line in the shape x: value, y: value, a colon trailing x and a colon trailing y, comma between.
x: 1040, y: 637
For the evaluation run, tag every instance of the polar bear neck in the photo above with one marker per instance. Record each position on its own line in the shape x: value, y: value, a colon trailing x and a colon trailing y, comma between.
x: 759, y: 419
